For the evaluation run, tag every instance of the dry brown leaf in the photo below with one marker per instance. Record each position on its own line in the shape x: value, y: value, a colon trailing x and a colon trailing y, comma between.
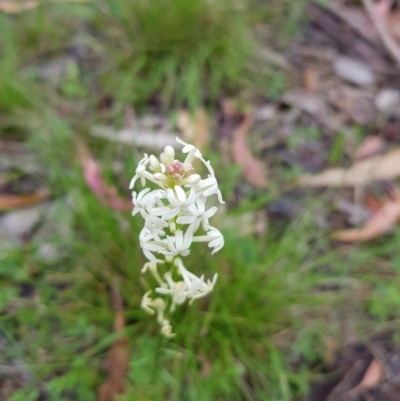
x: 253, y: 169
x: 310, y: 76
x: 106, y: 194
x: 378, y: 224
x: 371, y: 145
x: 371, y: 379
x: 376, y: 168
x: 16, y: 7
x: 185, y: 124
x: 9, y: 202
x: 118, y: 358
x: 372, y: 203
x: 355, y: 18
x: 196, y: 130
x: 201, y: 131
x: 356, y: 104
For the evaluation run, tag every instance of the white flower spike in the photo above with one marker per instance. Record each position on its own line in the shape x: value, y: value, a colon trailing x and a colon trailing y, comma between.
x: 173, y: 213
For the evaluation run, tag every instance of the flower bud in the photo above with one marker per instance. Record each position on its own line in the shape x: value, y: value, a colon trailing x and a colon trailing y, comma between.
x: 170, y: 152
x: 155, y: 164
x: 187, y: 167
x: 168, y: 156
x: 159, y: 177
x: 193, y: 179
x: 164, y: 159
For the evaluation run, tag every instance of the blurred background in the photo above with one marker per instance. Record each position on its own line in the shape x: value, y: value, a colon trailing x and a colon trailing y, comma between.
x: 296, y: 104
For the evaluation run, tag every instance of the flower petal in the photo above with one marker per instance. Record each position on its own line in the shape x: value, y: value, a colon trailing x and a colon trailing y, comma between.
x: 210, y: 212
x: 186, y: 219
x: 171, y: 214
x: 180, y: 193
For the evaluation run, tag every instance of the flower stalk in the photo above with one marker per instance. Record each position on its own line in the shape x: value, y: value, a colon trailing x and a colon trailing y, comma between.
x: 173, y: 213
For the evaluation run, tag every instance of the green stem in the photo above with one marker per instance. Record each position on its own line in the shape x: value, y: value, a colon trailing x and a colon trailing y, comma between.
x: 157, y: 356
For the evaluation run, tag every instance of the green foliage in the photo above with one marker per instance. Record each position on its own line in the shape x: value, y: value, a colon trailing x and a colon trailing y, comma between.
x: 301, y: 135
x: 271, y: 299
x: 186, y: 51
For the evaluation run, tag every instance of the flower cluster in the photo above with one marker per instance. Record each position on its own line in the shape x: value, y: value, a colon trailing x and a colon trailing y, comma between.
x: 173, y: 212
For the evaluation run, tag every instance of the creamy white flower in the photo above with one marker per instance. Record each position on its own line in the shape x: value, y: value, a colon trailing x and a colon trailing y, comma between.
x: 152, y: 266
x: 197, y: 212
x: 167, y: 158
x: 209, y: 187
x: 165, y: 212
x: 177, y: 196
x: 214, y: 238
x: 190, y: 149
x: 179, y: 244
x: 140, y: 202
x: 144, y: 202
x: 150, y: 242
x: 153, y: 223
x: 166, y: 329
x: 177, y: 290
x: 152, y: 305
x: 155, y: 165
x: 144, y: 175
x: 191, y: 180
x: 195, y: 286
x: 142, y: 164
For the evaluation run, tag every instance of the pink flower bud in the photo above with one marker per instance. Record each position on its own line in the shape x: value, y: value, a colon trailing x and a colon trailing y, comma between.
x: 177, y: 165
x: 187, y: 167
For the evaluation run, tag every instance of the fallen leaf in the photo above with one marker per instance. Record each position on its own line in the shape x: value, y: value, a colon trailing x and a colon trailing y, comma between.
x: 372, y: 203
x: 9, y: 202
x: 310, y: 76
x: 253, y: 169
x: 310, y: 103
x: 382, y: 8
x: 356, y: 104
x: 356, y: 19
x: 16, y: 7
x: 376, y: 168
x: 393, y: 24
x: 7, y: 177
x: 354, y: 71
x: 118, y: 358
x: 383, y: 11
x: 185, y: 124
x: 370, y: 145
x: 196, y: 130
x: 387, y: 101
x: 106, y: 194
x: 358, y: 214
x: 201, y: 131
x: 18, y: 224
x: 382, y: 221
x: 137, y: 136
x: 371, y: 379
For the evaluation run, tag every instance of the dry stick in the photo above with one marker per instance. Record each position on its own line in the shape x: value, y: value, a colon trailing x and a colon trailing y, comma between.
x: 387, y: 40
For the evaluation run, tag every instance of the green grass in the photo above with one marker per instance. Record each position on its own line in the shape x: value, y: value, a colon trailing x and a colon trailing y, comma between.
x: 262, y: 333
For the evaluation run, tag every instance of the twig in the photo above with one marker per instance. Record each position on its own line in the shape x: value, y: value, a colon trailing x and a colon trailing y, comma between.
x: 387, y: 40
